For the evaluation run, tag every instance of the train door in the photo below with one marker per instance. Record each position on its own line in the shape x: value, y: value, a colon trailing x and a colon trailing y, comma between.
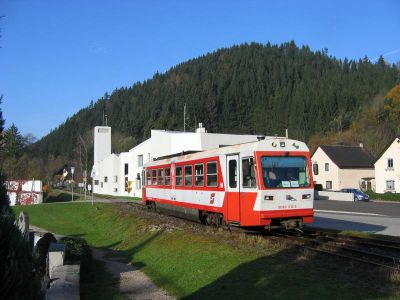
x: 233, y: 188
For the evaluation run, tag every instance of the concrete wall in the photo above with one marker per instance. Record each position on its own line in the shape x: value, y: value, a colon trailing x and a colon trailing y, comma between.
x: 326, y: 195
x: 24, y: 192
x: 102, y: 142
x: 383, y: 173
x: 323, y: 176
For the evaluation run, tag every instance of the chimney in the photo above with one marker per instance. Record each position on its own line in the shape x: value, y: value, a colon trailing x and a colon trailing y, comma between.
x: 200, y: 128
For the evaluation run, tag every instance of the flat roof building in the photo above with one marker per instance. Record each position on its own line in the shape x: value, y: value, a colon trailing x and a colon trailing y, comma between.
x: 120, y: 174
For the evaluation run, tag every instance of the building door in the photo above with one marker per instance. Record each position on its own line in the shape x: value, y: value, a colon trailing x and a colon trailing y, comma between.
x: 233, y: 188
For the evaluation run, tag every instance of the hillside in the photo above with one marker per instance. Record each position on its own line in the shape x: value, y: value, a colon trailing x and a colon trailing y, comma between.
x: 252, y: 88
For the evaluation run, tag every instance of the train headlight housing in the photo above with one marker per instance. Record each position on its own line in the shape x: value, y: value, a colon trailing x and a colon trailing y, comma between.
x: 282, y: 144
x: 269, y: 197
x: 306, y: 196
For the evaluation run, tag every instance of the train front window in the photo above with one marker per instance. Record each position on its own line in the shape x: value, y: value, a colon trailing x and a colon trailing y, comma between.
x: 285, y: 172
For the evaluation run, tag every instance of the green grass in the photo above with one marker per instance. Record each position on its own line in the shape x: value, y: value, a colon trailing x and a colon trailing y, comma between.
x: 385, y: 197
x: 207, y: 264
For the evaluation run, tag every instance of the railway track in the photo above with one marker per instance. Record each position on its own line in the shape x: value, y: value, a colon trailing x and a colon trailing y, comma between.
x: 379, y: 252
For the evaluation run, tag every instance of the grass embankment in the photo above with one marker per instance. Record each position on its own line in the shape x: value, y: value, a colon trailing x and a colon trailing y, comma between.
x: 383, y: 197
x: 208, y: 264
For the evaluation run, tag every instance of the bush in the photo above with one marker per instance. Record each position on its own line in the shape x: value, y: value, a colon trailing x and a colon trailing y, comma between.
x: 386, y: 196
x: 16, y: 276
x: 76, y: 250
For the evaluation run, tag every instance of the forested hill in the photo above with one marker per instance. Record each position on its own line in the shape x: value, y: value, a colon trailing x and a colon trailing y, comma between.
x: 252, y: 88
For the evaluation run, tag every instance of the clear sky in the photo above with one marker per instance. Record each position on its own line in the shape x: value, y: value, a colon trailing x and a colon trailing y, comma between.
x: 57, y: 56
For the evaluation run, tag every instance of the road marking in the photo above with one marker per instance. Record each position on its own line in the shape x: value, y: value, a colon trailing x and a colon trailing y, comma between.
x: 348, y: 213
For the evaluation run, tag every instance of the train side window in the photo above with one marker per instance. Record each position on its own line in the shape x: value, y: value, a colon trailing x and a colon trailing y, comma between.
x: 249, y: 174
x: 178, y: 176
x: 199, y: 175
x: 160, y: 177
x: 232, y: 173
x: 167, y: 176
x: 188, y: 175
x: 212, y: 174
x: 154, y: 177
x: 143, y: 178
x: 148, y: 177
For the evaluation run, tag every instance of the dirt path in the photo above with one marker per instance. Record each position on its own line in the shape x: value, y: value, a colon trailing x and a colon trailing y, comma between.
x: 133, y: 283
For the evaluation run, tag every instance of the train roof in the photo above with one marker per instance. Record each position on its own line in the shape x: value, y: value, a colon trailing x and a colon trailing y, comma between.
x: 268, y: 144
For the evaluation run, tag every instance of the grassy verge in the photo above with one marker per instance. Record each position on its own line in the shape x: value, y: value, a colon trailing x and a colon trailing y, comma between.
x: 203, y: 263
x: 117, y: 197
x: 383, y: 197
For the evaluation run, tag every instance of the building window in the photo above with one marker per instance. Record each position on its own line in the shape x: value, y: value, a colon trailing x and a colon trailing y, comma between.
x: 115, y: 190
x: 140, y: 160
x: 328, y: 185
x: 178, y: 176
x: 115, y: 179
x: 390, y: 185
x: 105, y: 179
x: 212, y: 174
x: 188, y: 175
x: 167, y: 176
x: 126, y: 169
x: 199, y: 175
x: 327, y: 167
x: 126, y: 184
x: 101, y: 184
x: 96, y: 182
x: 249, y: 174
x: 390, y: 163
x: 148, y: 157
x: 315, y: 169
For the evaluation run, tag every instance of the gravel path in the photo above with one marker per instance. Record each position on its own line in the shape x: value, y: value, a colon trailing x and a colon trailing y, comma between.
x: 133, y: 283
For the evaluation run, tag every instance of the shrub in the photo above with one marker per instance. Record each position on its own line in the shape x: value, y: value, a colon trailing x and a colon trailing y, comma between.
x: 16, y: 276
x: 76, y: 250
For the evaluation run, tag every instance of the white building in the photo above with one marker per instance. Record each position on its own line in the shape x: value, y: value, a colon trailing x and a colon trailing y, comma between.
x: 387, y: 169
x: 338, y: 166
x: 120, y: 174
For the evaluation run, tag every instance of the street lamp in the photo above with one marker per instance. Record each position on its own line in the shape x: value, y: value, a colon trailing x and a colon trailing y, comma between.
x: 72, y: 185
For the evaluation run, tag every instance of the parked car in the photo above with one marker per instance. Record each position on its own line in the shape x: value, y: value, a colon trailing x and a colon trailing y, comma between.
x: 358, y: 195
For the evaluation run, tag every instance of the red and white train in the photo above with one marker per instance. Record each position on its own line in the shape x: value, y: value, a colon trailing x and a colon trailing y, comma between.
x: 257, y: 184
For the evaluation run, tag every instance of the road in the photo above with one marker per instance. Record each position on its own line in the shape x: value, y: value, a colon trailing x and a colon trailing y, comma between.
x: 371, y: 217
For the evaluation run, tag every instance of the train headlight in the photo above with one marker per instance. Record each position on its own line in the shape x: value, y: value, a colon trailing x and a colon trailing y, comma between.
x: 306, y: 196
x: 282, y: 144
x: 269, y: 198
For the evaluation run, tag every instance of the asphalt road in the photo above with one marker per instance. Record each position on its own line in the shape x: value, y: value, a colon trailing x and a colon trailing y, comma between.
x: 371, y: 217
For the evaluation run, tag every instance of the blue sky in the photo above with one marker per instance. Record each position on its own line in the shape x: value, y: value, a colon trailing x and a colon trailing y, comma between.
x: 57, y: 56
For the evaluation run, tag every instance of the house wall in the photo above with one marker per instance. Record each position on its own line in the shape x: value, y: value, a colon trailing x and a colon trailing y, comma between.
x: 383, y: 173
x: 323, y: 176
x: 351, y: 178
x: 108, y: 167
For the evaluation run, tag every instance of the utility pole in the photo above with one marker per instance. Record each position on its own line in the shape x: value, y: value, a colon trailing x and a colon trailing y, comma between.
x: 72, y: 183
x: 184, y: 118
